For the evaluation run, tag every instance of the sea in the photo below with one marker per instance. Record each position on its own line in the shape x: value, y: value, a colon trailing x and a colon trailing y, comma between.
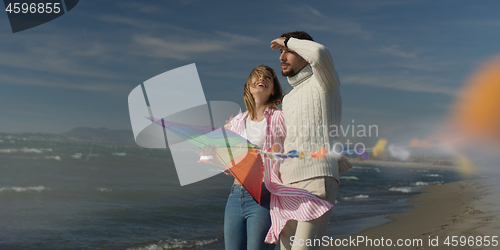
x: 68, y: 195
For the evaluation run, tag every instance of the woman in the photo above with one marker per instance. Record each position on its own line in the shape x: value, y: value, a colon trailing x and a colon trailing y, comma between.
x: 246, y: 223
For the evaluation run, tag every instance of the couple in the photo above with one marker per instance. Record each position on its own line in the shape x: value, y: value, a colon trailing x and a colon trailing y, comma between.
x: 297, y: 196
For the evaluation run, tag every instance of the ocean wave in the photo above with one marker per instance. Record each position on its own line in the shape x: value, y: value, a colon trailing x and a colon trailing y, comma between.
x: 359, y: 196
x: 23, y: 189
x: 57, y: 158
x: 355, y: 167
x: 31, y: 150
x: 9, y: 150
x: 401, y: 189
x: 104, y: 189
x: 173, y: 244
x: 77, y: 156
x: 422, y: 170
x: 26, y: 150
x: 349, y: 178
x: 433, y: 175
x: 421, y: 183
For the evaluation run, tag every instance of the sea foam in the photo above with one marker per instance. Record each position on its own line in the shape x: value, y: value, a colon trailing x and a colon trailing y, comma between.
x: 8, y: 150
x: 359, y: 196
x: 57, y: 157
x: 23, y: 189
x: 349, y: 178
x: 400, y: 189
x: 173, y: 244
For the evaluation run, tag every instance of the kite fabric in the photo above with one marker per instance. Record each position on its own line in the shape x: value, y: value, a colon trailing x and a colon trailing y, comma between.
x: 241, y: 158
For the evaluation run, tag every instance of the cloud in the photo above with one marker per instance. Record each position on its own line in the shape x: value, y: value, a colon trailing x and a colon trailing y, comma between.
x: 413, y: 58
x: 361, y: 113
x: 396, y: 51
x: 421, y: 84
x: 313, y: 19
x: 139, y: 23
x: 104, y: 64
x: 52, y: 63
x: 164, y: 48
x: 374, y: 6
x: 163, y: 40
x: 408, y: 67
x: 27, y: 113
x: 142, y: 7
x: 55, y: 57
x: 477, y: 24
x: 63, y: 83
x: 184, y: 48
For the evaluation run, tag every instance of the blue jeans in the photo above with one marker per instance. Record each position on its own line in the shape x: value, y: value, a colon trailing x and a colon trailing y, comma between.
x: 245, y: 221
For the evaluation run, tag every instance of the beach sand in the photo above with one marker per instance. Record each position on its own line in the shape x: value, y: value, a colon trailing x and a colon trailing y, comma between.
x: 465, y: 208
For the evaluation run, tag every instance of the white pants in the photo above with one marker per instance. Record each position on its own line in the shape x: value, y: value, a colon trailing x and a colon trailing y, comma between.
x: 296, y: 234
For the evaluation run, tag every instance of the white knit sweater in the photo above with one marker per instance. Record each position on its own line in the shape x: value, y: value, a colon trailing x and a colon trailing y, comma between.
x: 310, y: 109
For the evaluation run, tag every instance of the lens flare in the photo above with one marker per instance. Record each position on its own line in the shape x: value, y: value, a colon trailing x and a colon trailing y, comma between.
x: 477, y: 112
x: 379, y: 148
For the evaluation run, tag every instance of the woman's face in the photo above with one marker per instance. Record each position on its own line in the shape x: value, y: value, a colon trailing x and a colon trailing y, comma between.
x: 262, y: 87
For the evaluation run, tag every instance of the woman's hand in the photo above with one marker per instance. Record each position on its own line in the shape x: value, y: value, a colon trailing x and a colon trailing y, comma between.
x: 228, y: 122
x: 344, y: 164
x: 210, y: 150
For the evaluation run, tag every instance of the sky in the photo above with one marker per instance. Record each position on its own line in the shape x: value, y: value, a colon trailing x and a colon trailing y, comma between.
x: 401, y: 63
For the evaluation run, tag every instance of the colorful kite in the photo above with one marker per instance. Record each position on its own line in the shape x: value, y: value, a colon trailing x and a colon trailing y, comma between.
x: 240, y: 157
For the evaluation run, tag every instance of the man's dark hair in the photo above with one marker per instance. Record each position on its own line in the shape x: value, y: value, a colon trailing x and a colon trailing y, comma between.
x: 299, y: 35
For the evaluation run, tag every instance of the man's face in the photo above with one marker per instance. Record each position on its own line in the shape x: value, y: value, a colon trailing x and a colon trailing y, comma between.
x: 291, y: 62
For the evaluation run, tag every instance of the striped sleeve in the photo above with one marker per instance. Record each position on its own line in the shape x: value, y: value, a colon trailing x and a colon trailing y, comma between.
x: 287, y: 202
x: 237, y: 123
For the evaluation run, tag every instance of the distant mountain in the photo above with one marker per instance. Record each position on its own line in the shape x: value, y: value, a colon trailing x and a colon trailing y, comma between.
x: 100, y: 135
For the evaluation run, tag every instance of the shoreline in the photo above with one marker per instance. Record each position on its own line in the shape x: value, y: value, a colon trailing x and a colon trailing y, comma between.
x: 403, y: 164
x: 464, y: 208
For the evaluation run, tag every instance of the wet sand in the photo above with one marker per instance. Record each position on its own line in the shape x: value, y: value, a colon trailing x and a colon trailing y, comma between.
x: 461, y: 209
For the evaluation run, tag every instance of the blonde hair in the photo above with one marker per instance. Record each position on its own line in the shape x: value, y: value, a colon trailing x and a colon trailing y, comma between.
x: 273, y: 100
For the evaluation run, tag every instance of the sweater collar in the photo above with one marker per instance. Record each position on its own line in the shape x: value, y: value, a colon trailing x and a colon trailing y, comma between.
x: 300, y: 77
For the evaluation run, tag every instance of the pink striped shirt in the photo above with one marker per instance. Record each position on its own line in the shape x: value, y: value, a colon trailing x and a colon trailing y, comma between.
x: 287, y: 202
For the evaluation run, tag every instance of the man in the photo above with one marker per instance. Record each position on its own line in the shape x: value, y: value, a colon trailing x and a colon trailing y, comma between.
x: 310, y: 109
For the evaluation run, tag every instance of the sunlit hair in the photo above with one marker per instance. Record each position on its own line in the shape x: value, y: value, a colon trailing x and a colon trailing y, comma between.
x: 273, y: 100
